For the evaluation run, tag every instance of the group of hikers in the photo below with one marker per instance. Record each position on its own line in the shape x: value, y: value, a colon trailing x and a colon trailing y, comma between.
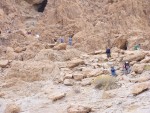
x: 62, y: 40
x: 55, y: 40
x: 126, y: 66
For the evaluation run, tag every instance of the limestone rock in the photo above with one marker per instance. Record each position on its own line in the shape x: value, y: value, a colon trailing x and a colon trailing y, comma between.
x: 87, y: 81
x: 52, y: 55
x: 57, y: 96
x: 4, y: 63
x: 48, y: 46
x: 68, y: 82
x: 137, y: 56
x: 93, y: 73
x: 78, y: 76
x: 146, y: 60
x: 19, y: 49
x: 98, y: 52
x: 78, y: 109
x: 12, y: 108
x: 75, y: 63
x: 141, y: 79
x: 139, y: 88
x: 108, y: 95
x: 61, y: 46
x: 10, y: 54
x: 138, y: 68
x: 68, y: 76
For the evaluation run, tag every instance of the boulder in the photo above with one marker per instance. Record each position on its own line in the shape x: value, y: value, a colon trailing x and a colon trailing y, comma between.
x: 78, y: 109
x: 49, y: 54
x: 48, y: 46
x: 19, y: 49
x: 133, y: 62
x: 107, y: 95
x: 141, y: 79
x: 75, y: 63
x: 93, y: 73
x: 138, y: 68
x: 87, y: 81
x: 146, y: 60
x: 57, y: 96
x: 12, y: 108
x: 4, y: 63
x: 61, y: 46
x: 137, y: 56
x: 139, y: 88
x: 68, y: 82
x: 68, y: 76
x: 97, y: 52
x: 10, y: 54
x: 78, y: 76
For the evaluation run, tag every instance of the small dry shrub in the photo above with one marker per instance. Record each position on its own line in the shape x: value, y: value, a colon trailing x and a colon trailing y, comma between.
x: 105, y: 82
x: 147, y: 68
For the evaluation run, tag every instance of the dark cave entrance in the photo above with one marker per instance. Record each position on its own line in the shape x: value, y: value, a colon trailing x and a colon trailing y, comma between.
x: 124, y: 46
x: 41, y: 6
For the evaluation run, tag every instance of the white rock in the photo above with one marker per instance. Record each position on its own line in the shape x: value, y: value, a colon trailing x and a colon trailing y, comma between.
x: 57, y: 96
x: 78, y: 109
x: 68, y: 82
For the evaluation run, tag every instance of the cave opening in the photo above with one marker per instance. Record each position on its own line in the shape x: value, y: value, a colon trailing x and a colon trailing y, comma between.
x: 125, y: 46
x: 41, y: 6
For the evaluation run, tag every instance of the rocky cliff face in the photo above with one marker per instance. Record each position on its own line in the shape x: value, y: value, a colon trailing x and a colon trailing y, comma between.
x: 94, y: 23
x: 40, y: 76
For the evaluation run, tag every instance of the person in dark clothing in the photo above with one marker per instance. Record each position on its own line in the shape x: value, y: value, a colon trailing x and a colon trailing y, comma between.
x: 70, y: 41
x: 108, y: 52
x: 126, y: 68
x: 113, y: 71
x: 61, y: 40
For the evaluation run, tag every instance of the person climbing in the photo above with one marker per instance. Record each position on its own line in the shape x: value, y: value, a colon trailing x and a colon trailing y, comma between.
x: 29, y: 32
x: 108, y: 52
x: 113, y: 71
x: 61, y: 40
x: 70, y: 40
x: 126, y: 68
x: 137, y: 46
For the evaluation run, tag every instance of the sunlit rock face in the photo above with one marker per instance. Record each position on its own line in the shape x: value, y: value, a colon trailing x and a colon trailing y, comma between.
x: 93, y: 24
